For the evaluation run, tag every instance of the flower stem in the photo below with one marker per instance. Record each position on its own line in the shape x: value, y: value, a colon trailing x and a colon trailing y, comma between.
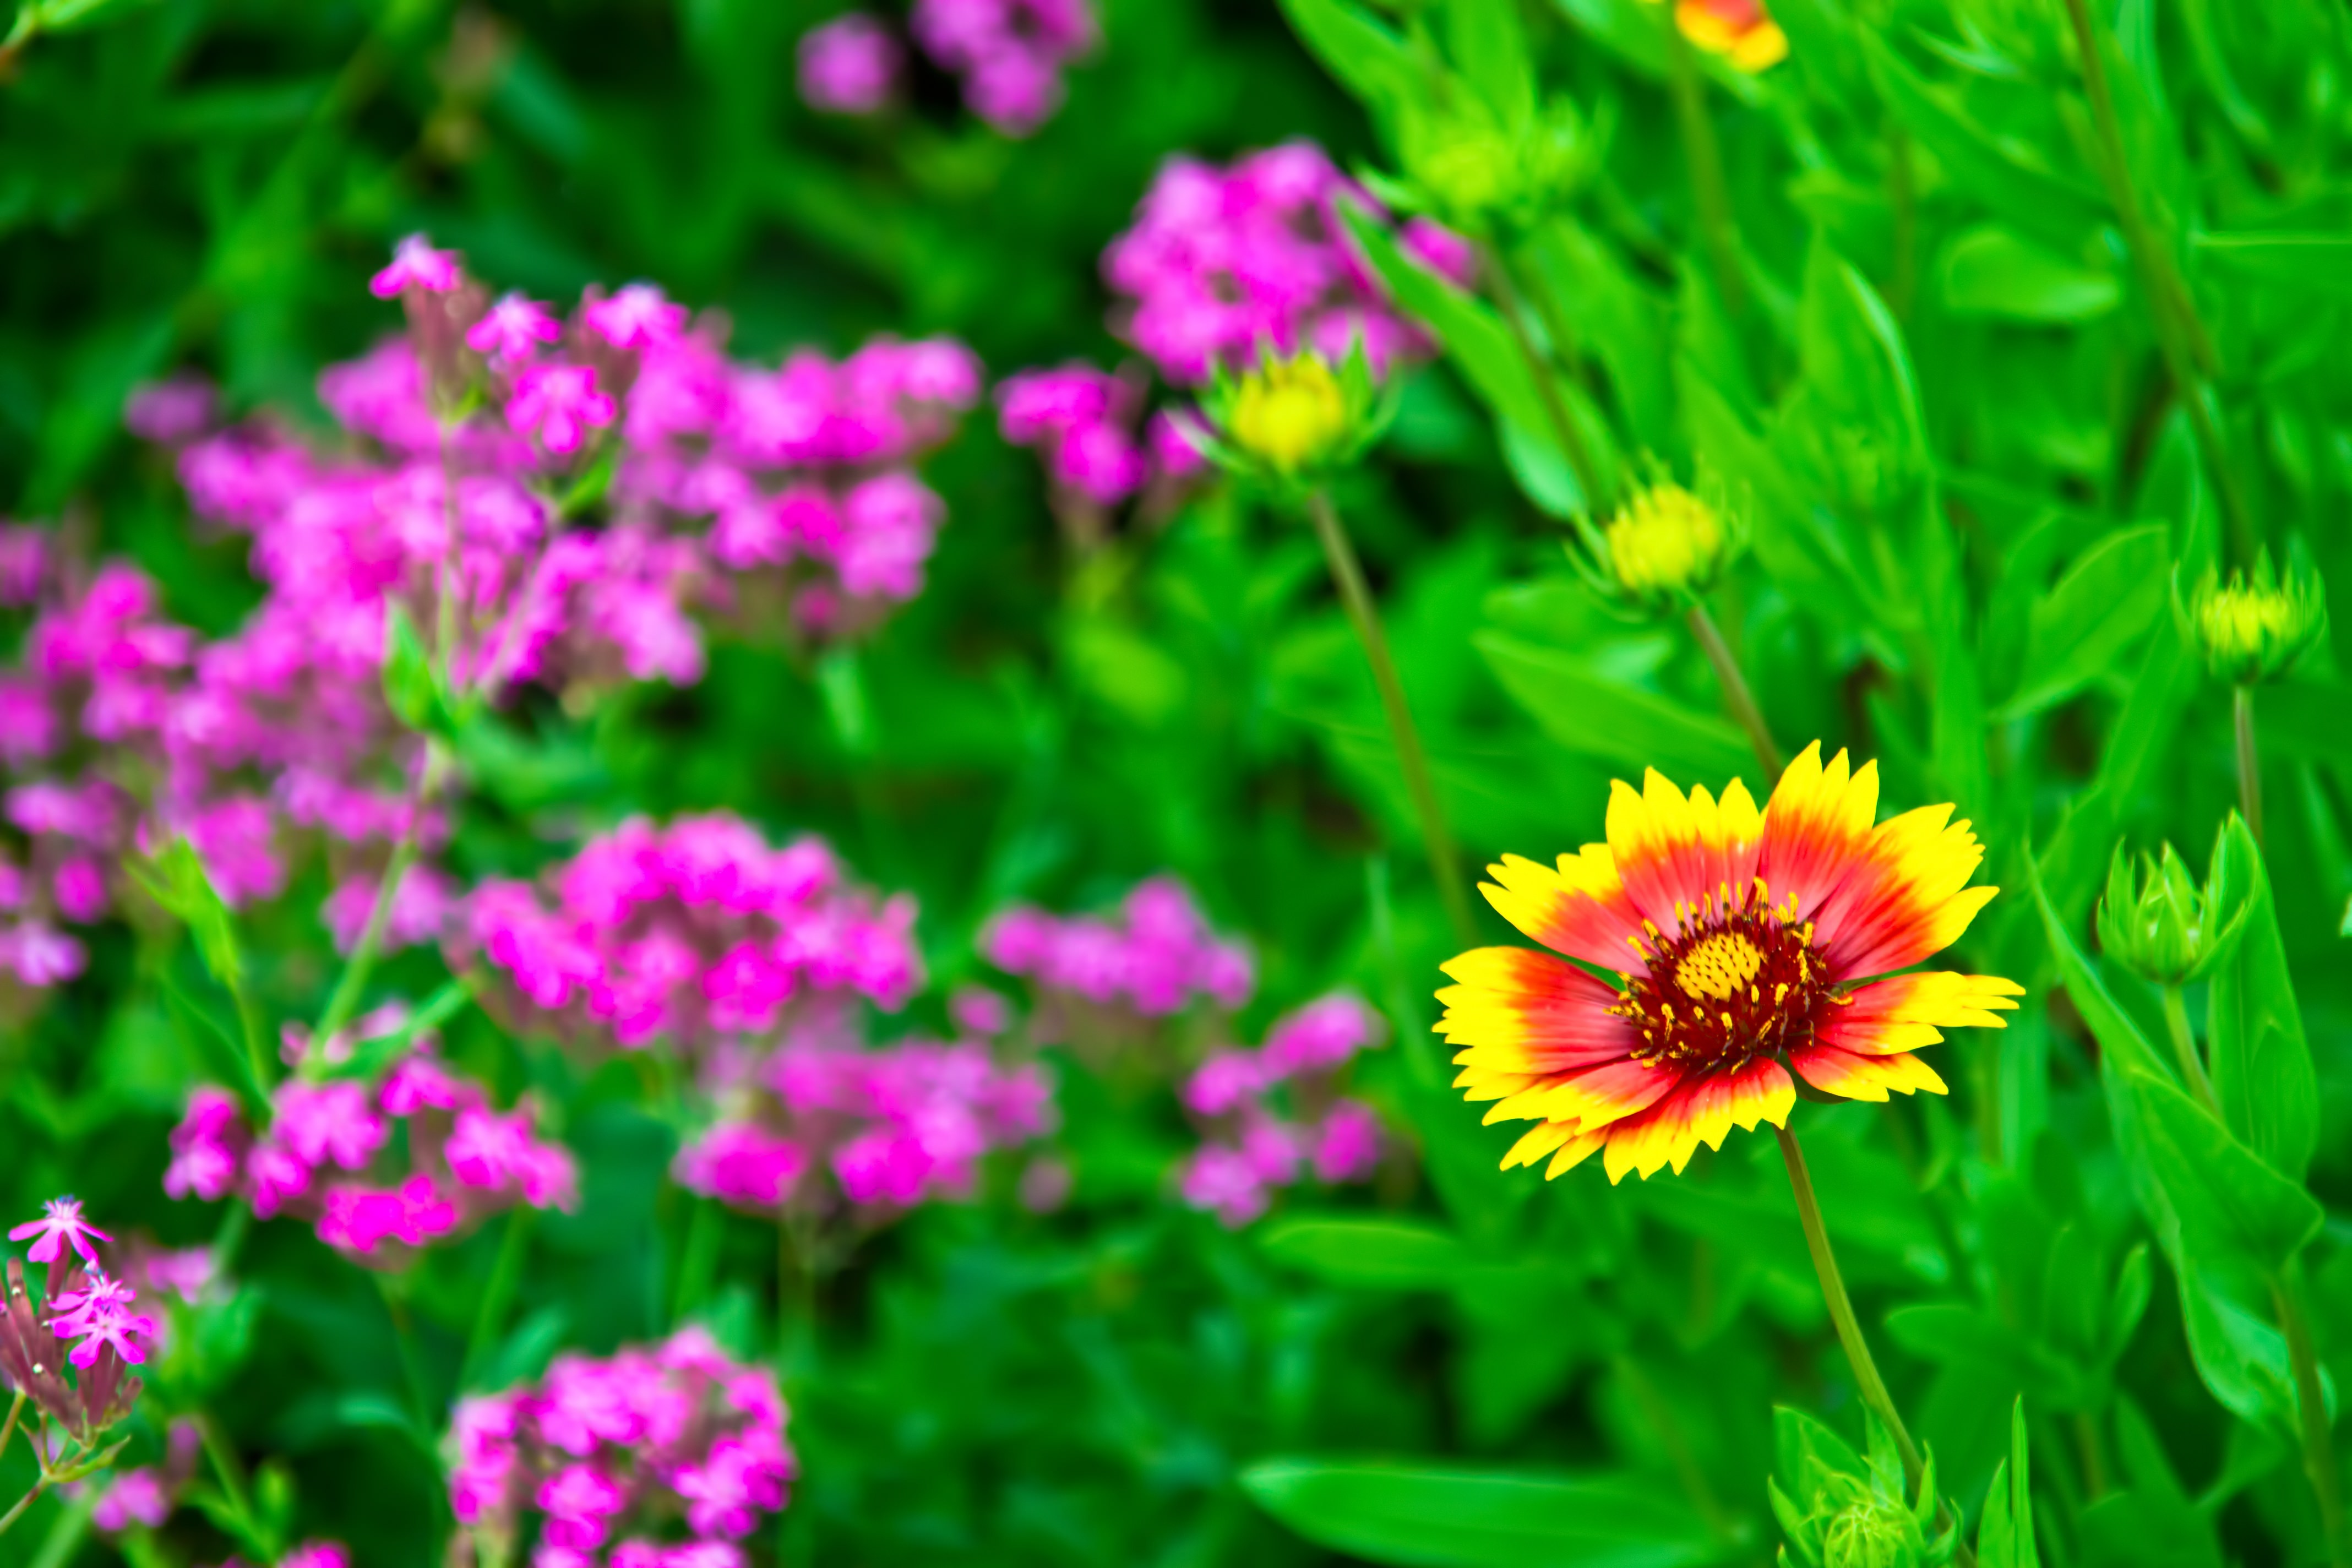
x: 1849, y: 1330
x: 2188, y: 347
x: 2184, y: 1045
x: 1347, y: 575
x: 2249, y: 762
x: 14, y: 1514
x: 351, y: 984
x: 1705, y: 156
x: 2318, y: 1442
x: 231, y: 1476
x: 1736, y: 694
x: 489, y: 1319
x: 8, y: 1430
x: 697, y: 1260
x: 1513, y: 300
x: 412, y: 1368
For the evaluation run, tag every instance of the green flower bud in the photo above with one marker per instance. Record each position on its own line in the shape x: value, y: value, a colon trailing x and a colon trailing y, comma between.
x: 2162, y: 924
x: 1851, y: 1510
x: 1663, y: 548
x: 2252, y: 627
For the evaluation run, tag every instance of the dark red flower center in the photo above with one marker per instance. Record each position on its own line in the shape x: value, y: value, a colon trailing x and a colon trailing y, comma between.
x: 1739, y: 981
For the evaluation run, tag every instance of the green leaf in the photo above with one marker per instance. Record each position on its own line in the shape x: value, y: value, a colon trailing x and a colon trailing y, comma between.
x: 412, y: 687
x: 2006, y: 175
x: 1488, y: 45
x: 2106, y: 602
x: 1990, y: 271
x: 372, y: 1055
x: 1368, y: 60
x: 1445, y: 1517
x: 1397, y: 1255
x: 1627, y: 28
x: 2321, y: 263
x: 1597, y: 716
x: 2261, y: 1060
x: 2005, y: 1533
x: 176, y: 879
x: 2227, y: 1206
x: 1480, y: 343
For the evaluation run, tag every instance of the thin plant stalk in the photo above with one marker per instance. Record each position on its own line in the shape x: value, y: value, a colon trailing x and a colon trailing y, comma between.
x: 231, y: 1477
x: 2184, y: 1046
x: 351, y: 984
x: 1736, y: 694
x: 697, y: 1259
x: 18, y: 1512
x: 1849, y: 1328
x: 1513, y: 300
x: 1347, y: 575
x: 1709, y: 191
x: 8, y: 1428
x: 2311, y: 1401
x: 489, y: 1318
x: 2249, y: 762
x: 2181, y: 334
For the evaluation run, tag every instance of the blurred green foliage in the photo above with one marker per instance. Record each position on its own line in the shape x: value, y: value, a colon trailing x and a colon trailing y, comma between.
x: 1943, y: 386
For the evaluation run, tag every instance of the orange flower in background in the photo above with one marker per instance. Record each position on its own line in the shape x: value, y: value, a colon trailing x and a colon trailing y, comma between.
x: 1742, y: 940
x: 1741, y: 31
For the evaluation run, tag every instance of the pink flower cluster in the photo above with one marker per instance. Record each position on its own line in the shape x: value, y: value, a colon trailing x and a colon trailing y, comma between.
x: 1156, y: 956
x: 1010, y: 53
x: 310, y: 1554
x: 695, y: 932
x: 79, y: 1301
x: 327, y: 1152
x: 851, y: 65
x: 1225, y: 265
x: 611, y: 1457
x: 620, y: 476
x: 1253, y: 1147
x: 894, y: 1126
x: 1082, y: 422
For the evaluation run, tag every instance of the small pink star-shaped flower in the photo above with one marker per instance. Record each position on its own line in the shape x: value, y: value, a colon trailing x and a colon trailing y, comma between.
x: 416, y: 265
x: 60, y: 1225
x: 513, y: 330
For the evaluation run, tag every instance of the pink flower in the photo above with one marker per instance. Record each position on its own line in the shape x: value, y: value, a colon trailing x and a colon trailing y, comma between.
x: 100, y: 1316
x: 723, y: 1494
x: 416, y: 265
x: 1222, y: 1182
x: 134, y: 1497
x: 328, y: 1122
x: 513, y: 330
x: 61, y: 1225
x: 849, y: 66
x: 578, y: 1500
x: 170, y: 412
x: 638, y: 317
x: 741, y: 1163
x: 1323, y: 1035
x: 317, y: 1554
x: 80, y: 888
x: 559, y: 404
x: 1442, y: 251
x: 1347, y: 1146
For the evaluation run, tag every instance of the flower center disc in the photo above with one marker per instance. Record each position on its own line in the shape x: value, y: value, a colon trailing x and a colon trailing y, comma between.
x: 1737, y: 981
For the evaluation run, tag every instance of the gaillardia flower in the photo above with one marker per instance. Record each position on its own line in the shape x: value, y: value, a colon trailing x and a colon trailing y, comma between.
x: 1741, y: 31
x: 1666, y: 547
x: 1741, y: 941
x: 2254, y: 626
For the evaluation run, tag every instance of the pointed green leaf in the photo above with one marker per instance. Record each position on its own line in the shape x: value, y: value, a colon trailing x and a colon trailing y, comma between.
x: 2261, y: 1065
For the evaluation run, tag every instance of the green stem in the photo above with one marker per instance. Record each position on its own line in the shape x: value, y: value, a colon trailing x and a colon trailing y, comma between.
x: 353, y: 983
x: 2318, y: 1442
x: 2249, y: 762
x: 841, y: 682
x: 1709, y: 191
x: 2184, y: 1046
x: 14, y: 1514
x: 2094, y: 1464
x: 1736, y: 694
x: 489, y: 1319
x: 1347, y: 575
x: 1902, y: 199
x: 8, y: 1430
x: 1849, y: 1329
x: 1510, y: 297
x: 412, y: 1366
x: 2180, y: 333
x: 697, y: 1260
x: 231, y: 1476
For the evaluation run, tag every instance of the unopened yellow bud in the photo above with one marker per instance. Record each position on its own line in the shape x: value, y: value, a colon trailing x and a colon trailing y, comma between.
x: 2252, y: 627
x: 1287, y: 414
x: 1666, y: 544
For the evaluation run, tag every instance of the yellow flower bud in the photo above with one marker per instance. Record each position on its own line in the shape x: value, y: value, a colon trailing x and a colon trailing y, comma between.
x: 1666, y: 544
x: 2252, y: 627
x: 1289, y: 414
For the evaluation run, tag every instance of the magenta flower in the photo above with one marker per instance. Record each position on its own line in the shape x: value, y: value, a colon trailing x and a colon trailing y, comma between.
x: 638, y: 317
x: 416, y: 265
x: 849, y: 66
x: 1273, y: 1114
x: 100, y: 1316
x: 513, y: 330
x: 61, y: 1225
x: 558, y: 404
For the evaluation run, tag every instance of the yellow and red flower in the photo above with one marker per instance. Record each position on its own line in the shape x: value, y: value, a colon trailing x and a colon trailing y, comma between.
x: 1741, y: 31
x: 1741, y: 941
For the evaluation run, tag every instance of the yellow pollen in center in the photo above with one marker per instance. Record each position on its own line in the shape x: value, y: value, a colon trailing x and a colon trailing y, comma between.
x: 1719, y: 966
